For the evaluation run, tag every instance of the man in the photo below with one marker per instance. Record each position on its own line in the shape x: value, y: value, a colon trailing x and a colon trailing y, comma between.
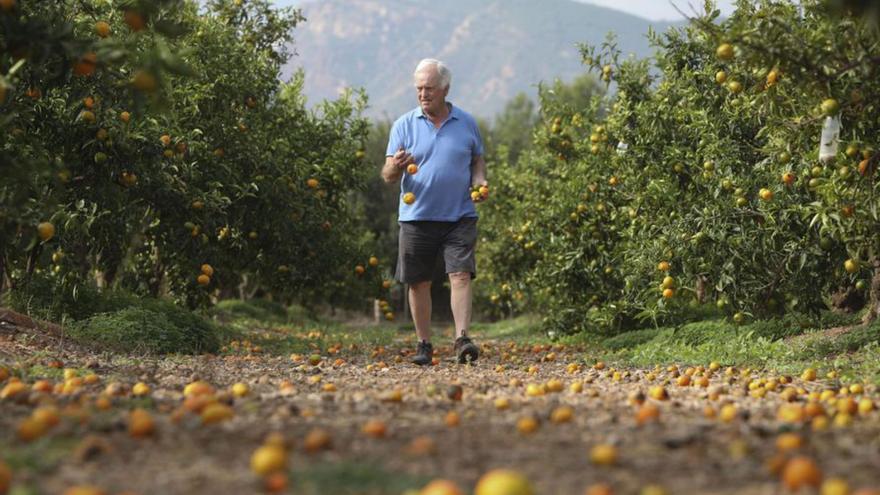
x: 436, y: 152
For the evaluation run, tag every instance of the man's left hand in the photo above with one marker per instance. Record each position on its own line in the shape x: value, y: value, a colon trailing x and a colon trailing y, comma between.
x: 480, y: 191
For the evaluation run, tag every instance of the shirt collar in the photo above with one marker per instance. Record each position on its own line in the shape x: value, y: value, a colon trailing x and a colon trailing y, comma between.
x: 453, y: 112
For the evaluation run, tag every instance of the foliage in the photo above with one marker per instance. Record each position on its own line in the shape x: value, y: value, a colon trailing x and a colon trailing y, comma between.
x: 698, y: 182
x: 156, y: 138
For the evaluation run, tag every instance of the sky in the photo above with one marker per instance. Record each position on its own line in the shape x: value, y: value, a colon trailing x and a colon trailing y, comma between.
x: 655, y: 10
x: 662, y: 10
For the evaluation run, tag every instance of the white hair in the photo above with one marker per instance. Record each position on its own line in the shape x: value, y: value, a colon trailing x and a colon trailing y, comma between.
x: 442, y: 71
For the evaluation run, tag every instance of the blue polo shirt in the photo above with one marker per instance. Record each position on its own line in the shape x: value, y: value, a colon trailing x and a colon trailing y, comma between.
x: 444, y: 156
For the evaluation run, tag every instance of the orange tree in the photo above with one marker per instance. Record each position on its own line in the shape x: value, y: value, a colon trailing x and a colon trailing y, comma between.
x: 172, y: 160
x: 703, y: 183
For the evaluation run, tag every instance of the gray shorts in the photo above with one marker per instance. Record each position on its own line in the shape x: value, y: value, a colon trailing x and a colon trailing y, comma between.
x: 421, y: 242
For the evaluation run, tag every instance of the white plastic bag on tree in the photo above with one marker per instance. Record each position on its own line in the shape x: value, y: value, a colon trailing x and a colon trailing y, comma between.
x: 830, y: 139
x: 621, y: 148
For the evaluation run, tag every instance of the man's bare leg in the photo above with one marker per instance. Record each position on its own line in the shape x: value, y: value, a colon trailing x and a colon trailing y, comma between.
x: 420, y: 306
x: 461, y: 297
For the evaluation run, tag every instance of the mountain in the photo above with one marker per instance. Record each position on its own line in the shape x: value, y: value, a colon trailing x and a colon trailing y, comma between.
x: 495, y: 48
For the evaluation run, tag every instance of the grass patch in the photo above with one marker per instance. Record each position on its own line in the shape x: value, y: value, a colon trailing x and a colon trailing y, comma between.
x: 351, y: 478
x: 255, y: 309
x: 762, y: 344
x: 522, y: 329
x: 164, y: 330
x: 45, y: 299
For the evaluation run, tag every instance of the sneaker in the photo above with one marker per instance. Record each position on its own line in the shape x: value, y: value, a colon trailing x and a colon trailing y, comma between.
x: 424, y: 354
x: 465, y: 350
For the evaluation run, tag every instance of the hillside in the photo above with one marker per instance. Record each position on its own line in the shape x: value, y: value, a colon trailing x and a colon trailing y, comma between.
x: 496, y: 48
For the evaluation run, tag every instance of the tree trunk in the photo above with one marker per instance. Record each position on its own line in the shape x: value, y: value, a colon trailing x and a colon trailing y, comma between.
x: 2, y: 272
x: 33, y: 256
x: 155, y: 282
x: 700, y: 289
x: 874, y: 302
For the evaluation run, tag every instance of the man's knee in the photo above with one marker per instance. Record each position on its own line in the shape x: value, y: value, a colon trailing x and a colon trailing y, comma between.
x: 420, y: 286
x: 460, y: 279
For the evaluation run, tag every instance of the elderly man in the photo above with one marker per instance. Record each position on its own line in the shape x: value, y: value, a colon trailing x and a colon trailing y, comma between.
x: 436, y: 152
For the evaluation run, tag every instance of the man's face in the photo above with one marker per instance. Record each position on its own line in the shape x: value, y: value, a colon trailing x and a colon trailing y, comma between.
x: 432, y: 97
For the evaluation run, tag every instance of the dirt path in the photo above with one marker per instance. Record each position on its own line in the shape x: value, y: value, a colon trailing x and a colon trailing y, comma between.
x: 683, y: 451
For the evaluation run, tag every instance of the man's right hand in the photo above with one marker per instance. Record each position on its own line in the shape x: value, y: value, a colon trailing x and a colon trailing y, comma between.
x: 402, y: 158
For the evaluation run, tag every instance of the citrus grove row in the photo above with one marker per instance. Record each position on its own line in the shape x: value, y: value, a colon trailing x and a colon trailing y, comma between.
x: 151, y: 146
x: 740, y: 172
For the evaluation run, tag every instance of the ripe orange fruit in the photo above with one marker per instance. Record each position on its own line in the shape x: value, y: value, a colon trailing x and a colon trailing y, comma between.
x: 765, y: 194
x: 86, y: 65
x: 165, y: 139
x: 275, y: 483
x: 203, y: 279
x: 647, y: 412
x: 268, y: 459
x: 31, y: 429
x: 527, y: 425
x: 135, y: 20
x: 125, y: 117
x: 663, y: 266
x: 102, y: 28
x: 801, y: 471
x: 317, y: 439
x: 46, y: 231
x: 374, y: 428
x: 140, y: 424
x: 240, y: 389
x: 7, y: 5
x: 863, y: 167
x: 668, y: 293
x: 144, y: 81
x: 836, y: 486
x: 140, y: 389
x: 441, y: 487
x: 374, y: 261
x: 503, y: 482
x: 359, y: 269
x: 562, y: 414
x: 312, y: 183
x: 603, y: 455
x: 599, y: 489
x: 412, y: 169
x: 216, y: 412
x: 788, y: 178
x: 207, y: 270
x: 409, y: 198
x: 84, y: 490
x: 724, y: 51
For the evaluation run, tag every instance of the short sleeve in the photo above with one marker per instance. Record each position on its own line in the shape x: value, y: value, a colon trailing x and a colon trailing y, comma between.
x: 395, y: 138
x: 478, y: 139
